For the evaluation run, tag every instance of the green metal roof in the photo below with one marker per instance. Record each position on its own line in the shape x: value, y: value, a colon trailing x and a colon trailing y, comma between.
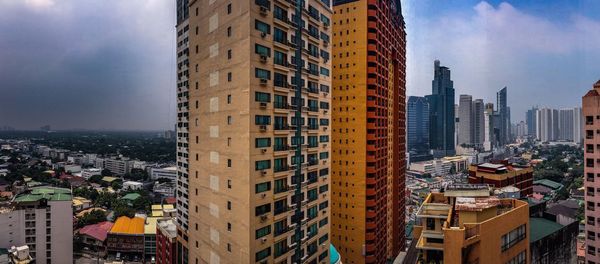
x: 45, y: 192
x: 541, y: 227
x: 548, y: 183
x: 131, y: 196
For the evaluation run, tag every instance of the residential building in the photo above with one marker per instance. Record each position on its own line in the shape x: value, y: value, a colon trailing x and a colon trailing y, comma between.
x: 166, y: 241
x: 547, y: 126
x: 577, y: 125
x: 259, y: 127
x: 94, y: 236
x: 369, y: 130
x: 503, y: 174
x: 126, y: 236
x: 118, y: 165
x: 465, y: 224
x: 441, y: 112
x: 132, y: 185
x: 479, y: 125
x: 42, y: 219
x: 565, y: 124
x: 417, y: 128
x: 591, y: 115
x: 530, y: 119
x: 521, y: 129
x: 182, y: 127
x: 441, y: 167
x: 504, y: 116
x: 465, y: 120
x: 88, y: 173
x: 488, y: 130
x: 165, y: 172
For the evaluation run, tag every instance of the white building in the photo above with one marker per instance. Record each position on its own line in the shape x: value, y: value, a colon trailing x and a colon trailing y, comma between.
x: 118, y: 166
x: 42, y: 219
x: 72, y: 168
x: 88, y: 173
x: 167, y: 172
x: 132, y: 185
x: 165, y: 188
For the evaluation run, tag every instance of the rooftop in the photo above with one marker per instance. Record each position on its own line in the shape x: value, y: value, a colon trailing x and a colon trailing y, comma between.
x: 131, y: 196
x: 45, y: 192
x: 109, y: 179
x: 150, y: 226
x: 98, y: 231
x: 128, y: 226
x: 167, y: 227
x: 540, y: 228
x: 548, y: 183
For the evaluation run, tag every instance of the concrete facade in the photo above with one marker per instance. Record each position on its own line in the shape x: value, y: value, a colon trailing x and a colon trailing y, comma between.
x: 591, y: 115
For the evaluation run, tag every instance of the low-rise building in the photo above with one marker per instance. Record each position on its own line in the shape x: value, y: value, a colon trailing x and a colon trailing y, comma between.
x: 132, y: 185
x: 126, y: 237
x: 165, y: 189
x: 88, y: 173
x: 466, y: 224
x: 166, y: 241
x: 118, y: 166
x: 434, y: 168
x: 150, y: 237
x: 501, y: 175
x: 94, y: 236
x: 42, y: 219
x: 80, y: 203
x: 552, y: 242
x: 164, y: 172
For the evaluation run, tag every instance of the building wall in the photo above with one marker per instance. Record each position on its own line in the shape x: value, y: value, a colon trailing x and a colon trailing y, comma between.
x: 522, y: 179
x: 558, y: 247
x: 369, y: 131
x: 165, y: 249
x: 591, y: 114
x: 465, y: 117
x: 223, y: 161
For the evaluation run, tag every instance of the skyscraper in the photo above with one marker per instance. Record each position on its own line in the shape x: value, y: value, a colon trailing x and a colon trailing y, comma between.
x: 259, y: 111
x: 441, y: 115
x: 504, y: 117
x: 182, y: 127
x: 547, y: 124
x: 591, y: 110
x: 417, y: 113
x: 530, y: 119
x: 577, y: 125
x: 478, y: 123
x: 368, y: 137
x: 465, y: 120
x: 565, y: 124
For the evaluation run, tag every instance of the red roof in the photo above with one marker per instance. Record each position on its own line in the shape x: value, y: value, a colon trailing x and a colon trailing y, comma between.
x: 97, y: 231
x: 170, y: 200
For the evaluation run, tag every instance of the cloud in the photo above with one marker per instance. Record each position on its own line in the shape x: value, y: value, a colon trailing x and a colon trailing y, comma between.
x: 542, y: 61
x: 39, y: 4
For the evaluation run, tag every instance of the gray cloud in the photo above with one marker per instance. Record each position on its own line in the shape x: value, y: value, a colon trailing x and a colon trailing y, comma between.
x: 87, y: 64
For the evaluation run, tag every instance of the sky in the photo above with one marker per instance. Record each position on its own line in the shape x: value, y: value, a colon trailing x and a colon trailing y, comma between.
x: 110, y: 64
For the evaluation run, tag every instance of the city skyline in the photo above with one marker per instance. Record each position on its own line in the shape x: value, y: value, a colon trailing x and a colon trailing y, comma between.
x: 104, y: 79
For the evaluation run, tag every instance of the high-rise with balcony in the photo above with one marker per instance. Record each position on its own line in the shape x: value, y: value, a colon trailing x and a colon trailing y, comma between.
x: 591, y: 115
x: 259, y: 131
x: 183, y: 28
x: 368, y: 136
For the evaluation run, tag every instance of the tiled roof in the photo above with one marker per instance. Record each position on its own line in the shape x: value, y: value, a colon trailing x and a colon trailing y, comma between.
x: 98, y: 231
x: 128, y: 226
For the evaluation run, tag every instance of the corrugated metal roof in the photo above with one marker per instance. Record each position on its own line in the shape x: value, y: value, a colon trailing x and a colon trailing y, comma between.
x: 128, y: 226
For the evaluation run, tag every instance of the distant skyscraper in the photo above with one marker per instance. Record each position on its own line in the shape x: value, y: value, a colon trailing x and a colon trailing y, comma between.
x: 565, y: 124
x: 465, y: 120
x: 417, y: 125
x: 478, y: 123
x: 488, y: 126
x: 504, y: 117
x: 368, y: 137
x: 577, y: 125
x: 530, y: 119
x: 591, y: 170
x: 442, y: 116
x: 547, y: 124
x: 521, y: 128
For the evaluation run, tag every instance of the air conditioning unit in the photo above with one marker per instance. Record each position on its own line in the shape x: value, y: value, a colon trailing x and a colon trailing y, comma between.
x: 324, y: 128
x: 263, y: 128
x: 263, y: 172
x: 263, y: 240
x: 324, y: 111
x: 263, y: 34
x: 326, y: 25
x: 263, y: 105
x: 263, y: 58
x: 264, y: 150
x: 263, y: 218
x: 264, y: 10
x: 263, y: 81
x: 325, y: 43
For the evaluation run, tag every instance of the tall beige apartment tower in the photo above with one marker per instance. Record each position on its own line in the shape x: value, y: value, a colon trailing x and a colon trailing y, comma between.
x: 259, y: 78
x: 591, y: 170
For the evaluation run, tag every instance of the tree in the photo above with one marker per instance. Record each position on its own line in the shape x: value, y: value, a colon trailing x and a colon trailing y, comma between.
x: 163, y: 180
x: 93, y: 217
x: 106, y: 172
x: 116, y: 185
x: 96, y: 179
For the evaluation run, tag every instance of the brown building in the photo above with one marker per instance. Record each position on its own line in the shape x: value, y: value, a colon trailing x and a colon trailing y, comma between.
x: 591, y: 114
x: 368, y: 137
x: 465, y: 224
x: 259, y: 124
x: 126, y: 236
x: 503, y: 174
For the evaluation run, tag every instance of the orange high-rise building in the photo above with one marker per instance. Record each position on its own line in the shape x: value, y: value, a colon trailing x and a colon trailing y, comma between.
x: 591, y: 113
x: 368, y: 136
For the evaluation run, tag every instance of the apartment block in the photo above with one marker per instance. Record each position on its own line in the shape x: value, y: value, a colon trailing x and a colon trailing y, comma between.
x: 466, y: 224
x: 502, y: 174
x: 591, y: 115
x: 369, y: 130
x: 42, y: 219
x: 259, y: 131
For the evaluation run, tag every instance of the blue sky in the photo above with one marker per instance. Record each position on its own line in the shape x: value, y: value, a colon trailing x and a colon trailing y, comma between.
x: 546, y: 52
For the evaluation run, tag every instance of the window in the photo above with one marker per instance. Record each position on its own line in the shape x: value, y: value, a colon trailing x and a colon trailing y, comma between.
x: 280, y: 164
x: 323, y: 222
x: 229, y: 99
x: 262, y: 50
x: 229, y: 163
x: 324, y: 138
x: 262, y: 120
x: 279, y: 35
x: 263, y: 187
x: 313, y: 142
x: 280, y: 80
x: 280, y: 206
x: 312, y: 195
x: 312, y: 230
x: 324, y: 122
x: 263, y: 3
x: 228, y: 247
x: 312, y: 212
x: 513, y: 237
x: 325, y: 20
x: 325, y: 89
x: 263, y: 142
x: 280, y: 13
x: 228, y: 31
x: 263, y: 254
x: 229, y: 120
x: 280, y: 186
x: 323, y: 205
x: 263, y: 164
x: 229, y: 184
x: 228, y: 226
x: 262, y: 97
x: 229, y: 9
x: 323, y: 188
x: 280, y: 248
x: 229, y: 54
x: 261, y: 232
x: 279, y: 58
x: 262, y: 27
x: 229, y: 76
x: 279, y: 101
x: 262, y: 74
x: 228, y: 205
x: 263, y: 209
x: 324, y: 71
x: 519, y: 259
